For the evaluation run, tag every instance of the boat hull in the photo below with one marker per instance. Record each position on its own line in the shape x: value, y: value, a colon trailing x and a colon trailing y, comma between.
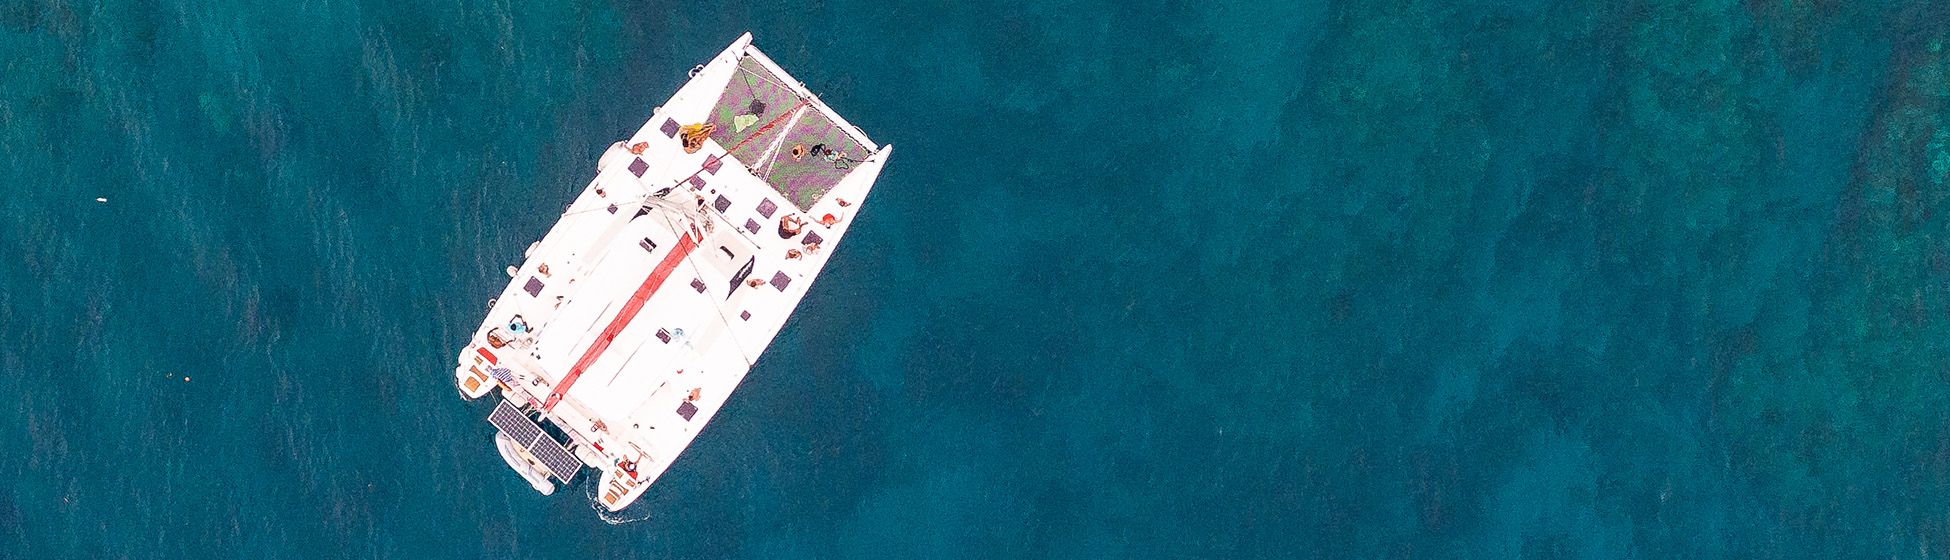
x: 629, y: 325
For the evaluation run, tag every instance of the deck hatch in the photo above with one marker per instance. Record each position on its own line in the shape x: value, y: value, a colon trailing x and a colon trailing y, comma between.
x: 529, y: 436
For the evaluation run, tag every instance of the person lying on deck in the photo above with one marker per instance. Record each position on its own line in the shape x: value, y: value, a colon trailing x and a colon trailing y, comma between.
x: 789, y: 225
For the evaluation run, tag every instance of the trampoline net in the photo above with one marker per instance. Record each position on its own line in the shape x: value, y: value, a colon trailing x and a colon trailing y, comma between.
x: 801, y: 157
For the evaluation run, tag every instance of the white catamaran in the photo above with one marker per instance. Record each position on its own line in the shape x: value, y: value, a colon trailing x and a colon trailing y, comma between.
x: 635, y: 317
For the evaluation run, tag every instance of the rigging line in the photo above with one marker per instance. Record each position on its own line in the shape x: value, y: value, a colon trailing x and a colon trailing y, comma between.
x: 734, y: 228
x: 765, y: 77
x: 850, y: 132
x: 680, y: 208
x: 641, y: 202
x: 619, y: 208
x: 742, y: 234
x: 740, y: 231
x: 714, y: 305
x: 748, y: 83
x: 741, y: 143
x: 771, y: 154
x: 768, y: 126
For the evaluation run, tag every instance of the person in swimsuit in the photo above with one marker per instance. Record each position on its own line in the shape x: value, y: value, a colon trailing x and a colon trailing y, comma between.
x: 789, y: 226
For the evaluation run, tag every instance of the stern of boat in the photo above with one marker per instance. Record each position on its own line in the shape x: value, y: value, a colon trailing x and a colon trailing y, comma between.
x: 475, y: 374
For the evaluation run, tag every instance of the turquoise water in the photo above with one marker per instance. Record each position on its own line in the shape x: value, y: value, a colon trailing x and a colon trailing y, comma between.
x: 1411, y: 279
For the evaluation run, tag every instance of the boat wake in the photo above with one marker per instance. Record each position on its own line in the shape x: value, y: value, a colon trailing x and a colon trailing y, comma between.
x: 631, y: 514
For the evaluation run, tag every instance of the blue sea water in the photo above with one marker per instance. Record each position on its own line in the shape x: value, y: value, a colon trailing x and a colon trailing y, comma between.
x: 1396, y: 279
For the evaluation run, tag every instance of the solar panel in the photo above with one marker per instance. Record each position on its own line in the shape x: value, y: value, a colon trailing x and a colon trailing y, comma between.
x: 512, y: 422
x: 557, y: 459
x: 524, y: 432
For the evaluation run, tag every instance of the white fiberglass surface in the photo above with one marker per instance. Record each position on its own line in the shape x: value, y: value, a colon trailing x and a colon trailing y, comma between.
x: 602, y: 293
x: 639, y: 361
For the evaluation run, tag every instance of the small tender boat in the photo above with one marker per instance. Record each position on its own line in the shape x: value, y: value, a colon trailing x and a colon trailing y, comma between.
x: 523, y: 463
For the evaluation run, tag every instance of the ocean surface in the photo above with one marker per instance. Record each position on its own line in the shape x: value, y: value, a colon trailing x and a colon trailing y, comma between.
x: 1277, y: 279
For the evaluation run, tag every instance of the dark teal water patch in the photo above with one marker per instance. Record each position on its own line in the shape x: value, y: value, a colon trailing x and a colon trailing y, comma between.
x: 1401, y: 279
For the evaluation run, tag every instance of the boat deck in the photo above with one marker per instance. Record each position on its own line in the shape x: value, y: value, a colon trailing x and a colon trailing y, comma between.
x: 633, y: 320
